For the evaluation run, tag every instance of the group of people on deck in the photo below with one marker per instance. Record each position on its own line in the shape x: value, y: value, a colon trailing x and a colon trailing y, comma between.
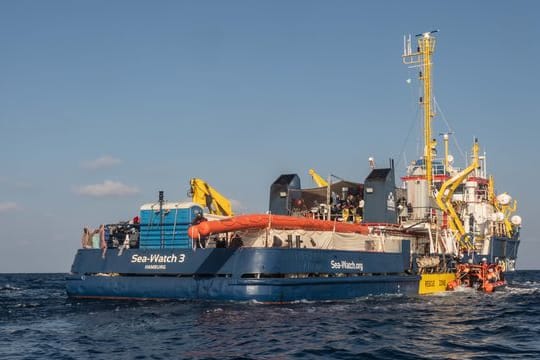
x: 94, y: 239
x: 97, y: 239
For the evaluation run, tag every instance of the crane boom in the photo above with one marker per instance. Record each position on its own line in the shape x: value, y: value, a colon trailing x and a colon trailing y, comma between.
x: 205, y: 195
x: 318, y: 179
x: 444, y: 196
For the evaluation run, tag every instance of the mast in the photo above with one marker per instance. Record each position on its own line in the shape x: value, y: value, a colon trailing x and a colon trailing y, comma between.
x: 422, y: 58
x: 446, y: 137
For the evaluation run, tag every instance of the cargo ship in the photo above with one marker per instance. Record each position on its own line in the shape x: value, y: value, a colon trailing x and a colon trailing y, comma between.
x: 445, y: 227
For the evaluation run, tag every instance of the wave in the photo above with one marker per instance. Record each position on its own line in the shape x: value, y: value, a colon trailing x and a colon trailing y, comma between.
x: 9, y: 287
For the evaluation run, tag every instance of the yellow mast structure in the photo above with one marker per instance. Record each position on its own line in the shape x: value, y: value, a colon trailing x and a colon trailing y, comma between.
x: 422, y: 58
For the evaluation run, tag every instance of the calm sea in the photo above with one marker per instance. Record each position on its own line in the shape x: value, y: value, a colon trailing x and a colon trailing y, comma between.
x: 38, y: 321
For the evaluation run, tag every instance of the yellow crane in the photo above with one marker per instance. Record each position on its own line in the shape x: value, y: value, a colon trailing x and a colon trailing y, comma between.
x: 505, y: 209
x: 444, y: 197
x: 318, y: 179
x: 205, y: 195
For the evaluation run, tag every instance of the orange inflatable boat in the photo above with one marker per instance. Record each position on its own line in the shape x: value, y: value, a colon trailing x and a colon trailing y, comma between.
x: 282, y: 222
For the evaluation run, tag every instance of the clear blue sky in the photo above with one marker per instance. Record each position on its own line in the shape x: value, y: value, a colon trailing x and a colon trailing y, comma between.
x: 127, y: 98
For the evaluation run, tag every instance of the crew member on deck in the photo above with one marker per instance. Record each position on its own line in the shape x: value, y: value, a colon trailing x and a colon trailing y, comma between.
x: 86, y: 240
x: 199, y: 218
x: 102, y: 242
x: 236, y: 241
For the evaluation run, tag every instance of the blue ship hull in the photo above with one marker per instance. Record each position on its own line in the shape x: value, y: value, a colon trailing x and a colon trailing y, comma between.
x: 260, y: 290
x: 244, y: 274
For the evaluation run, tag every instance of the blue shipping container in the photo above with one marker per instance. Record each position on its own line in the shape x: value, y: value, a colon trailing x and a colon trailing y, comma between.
x: 168, y: 228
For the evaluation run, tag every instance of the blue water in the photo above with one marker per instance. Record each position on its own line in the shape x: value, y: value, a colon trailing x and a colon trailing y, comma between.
x: 38, y: 321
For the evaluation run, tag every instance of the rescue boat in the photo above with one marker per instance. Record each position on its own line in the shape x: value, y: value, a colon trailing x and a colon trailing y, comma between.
x: 484, y: 277
x: 262, y: 221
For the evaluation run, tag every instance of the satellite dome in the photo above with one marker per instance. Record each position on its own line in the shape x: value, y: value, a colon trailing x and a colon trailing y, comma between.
x: 504, y: 199
x: 516, y: 220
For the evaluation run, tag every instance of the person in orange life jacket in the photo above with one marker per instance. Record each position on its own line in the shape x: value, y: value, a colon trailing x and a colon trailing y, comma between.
x: 484, y: 263
x: 491, y: 276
